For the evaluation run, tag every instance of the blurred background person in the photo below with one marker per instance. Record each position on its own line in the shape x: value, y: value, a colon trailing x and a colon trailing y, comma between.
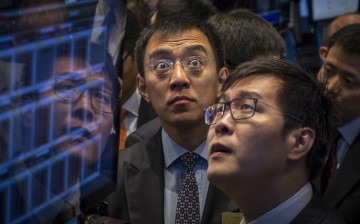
x: 246, y: 36
x: 331, y: 28
x: 134, y: 110
x: 340, y: 178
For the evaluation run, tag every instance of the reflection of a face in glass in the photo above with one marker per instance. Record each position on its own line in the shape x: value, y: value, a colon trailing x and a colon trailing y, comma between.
x: 83, y: 109
x: 80, y: 116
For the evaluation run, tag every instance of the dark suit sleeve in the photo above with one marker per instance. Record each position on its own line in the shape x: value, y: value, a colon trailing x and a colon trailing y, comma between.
x: 117, y: 200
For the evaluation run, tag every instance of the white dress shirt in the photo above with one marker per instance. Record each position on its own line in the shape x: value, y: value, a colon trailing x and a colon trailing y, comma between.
x: 288, y: 210
x: 132, y: 106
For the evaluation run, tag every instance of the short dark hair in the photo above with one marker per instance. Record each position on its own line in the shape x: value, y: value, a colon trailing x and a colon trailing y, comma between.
x: 201, y: 9
x: 174, y: 25
x: 246, y: 36
x: 347, y: 38
x: 300, y: 95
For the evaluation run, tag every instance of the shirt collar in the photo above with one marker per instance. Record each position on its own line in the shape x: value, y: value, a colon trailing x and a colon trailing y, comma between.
x: 133, y: 103
x: 172, y: 150
x: 350, y: 130
x: 288, y: 210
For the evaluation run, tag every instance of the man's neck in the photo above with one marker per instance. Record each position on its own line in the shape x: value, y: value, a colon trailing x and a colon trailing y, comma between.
x: 190, y: 137
x: 262, y: 198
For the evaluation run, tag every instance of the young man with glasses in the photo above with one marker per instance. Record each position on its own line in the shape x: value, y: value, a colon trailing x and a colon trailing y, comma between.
x: 268, y: 136
x: 180, y: 65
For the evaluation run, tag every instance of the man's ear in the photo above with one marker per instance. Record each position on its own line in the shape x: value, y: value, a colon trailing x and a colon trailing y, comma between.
x: 223, y: 74
x: 301, y: 141
x: 323, y: 53
x: 141, y: 86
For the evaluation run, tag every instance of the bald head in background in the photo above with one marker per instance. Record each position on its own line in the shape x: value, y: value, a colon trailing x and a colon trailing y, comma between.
x: 335, y: 25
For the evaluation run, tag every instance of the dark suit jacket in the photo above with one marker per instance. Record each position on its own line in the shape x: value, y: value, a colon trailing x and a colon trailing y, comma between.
x: 343, y: 193
x: 139, y: 197
x: 317, y: 212
x: 146, y: 113
x: 144, y: 132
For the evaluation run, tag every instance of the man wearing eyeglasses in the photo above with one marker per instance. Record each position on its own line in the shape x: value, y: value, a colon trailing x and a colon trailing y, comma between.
x: 180, y: 65
x: 68, y: 132
x: 268, y: 135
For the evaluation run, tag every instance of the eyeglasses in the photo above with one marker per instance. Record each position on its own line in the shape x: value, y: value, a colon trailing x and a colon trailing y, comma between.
x: 71, y: 91
x: 190, y: 64
x: 239, y: 108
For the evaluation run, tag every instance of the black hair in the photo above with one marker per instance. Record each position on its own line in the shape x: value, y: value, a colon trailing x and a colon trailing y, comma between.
x: 347, y: 38
x: 246, y: 36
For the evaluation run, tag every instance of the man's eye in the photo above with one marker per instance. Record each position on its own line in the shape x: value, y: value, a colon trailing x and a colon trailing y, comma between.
x: 350, y: 82
x: 219, y: 109
x: 104, y: 98
x: 194, y: 64
x: 161, y: 65
x: 328, y: 71
x: 245, y: 107
x: 66, y: 88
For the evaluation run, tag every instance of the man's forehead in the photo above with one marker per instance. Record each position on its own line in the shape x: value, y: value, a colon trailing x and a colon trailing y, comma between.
x: 255, y: 86
x: 193, y: 39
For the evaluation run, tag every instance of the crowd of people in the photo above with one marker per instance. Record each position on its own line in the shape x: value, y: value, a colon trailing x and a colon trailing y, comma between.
x: 272, y: 127
x: 213, y: 122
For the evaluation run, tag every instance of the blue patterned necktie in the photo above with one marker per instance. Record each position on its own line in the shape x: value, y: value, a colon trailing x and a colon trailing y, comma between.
x: 188, y: 206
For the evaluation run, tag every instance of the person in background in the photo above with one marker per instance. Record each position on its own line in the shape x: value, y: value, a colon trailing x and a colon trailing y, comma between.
x: 180, y: 65
x: 246, y: 36
x: 268, y: 136
x: 134, y: 110
x: 340, y: 179
x: 335, y: 25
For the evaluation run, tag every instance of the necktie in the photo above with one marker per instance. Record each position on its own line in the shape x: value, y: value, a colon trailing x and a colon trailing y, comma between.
x: 330, y: 166
x: 188, y: 206
x: 122, y: 137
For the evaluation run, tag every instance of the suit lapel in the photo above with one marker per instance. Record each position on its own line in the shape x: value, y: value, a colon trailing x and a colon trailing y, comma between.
x: 143, y: 180
x: 313, y: 212
x: 216, y: 203
x: 346, y: 177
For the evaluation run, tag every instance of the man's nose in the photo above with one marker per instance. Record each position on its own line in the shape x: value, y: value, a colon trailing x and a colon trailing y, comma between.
x: 224, y: 125
x: 82, y: 108
x: 333, y: 82
x: 179, y: 78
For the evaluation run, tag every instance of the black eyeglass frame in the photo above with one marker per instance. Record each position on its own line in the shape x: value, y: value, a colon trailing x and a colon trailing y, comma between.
x: 92, y: 91
x: 229, y: 103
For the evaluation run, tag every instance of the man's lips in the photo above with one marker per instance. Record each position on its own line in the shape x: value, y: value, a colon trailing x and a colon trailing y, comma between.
x: 179, y: 99
x: 80, y: 134
x: 219, y: 148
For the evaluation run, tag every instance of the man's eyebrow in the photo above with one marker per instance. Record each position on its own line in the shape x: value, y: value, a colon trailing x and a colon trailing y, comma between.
x: 241, y: 94
x: 159, y: 52
x: 164, y: 52
x: 196, y: 48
